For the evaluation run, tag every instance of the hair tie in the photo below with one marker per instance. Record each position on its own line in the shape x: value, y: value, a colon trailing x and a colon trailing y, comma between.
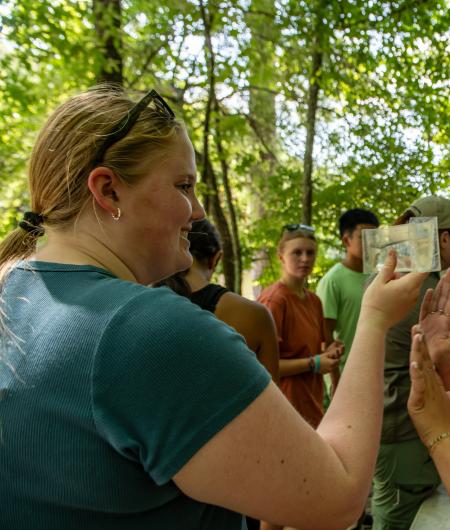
x: 32, y: 222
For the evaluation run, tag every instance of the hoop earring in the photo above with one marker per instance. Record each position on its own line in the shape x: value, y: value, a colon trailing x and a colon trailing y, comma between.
x: 117, y: 216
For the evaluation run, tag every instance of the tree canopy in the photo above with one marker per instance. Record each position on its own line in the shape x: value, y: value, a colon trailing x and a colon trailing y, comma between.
x: 298, y: 109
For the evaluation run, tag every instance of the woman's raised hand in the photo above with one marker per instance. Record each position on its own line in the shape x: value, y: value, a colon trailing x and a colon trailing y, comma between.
x: 390, y: 296
x: 428, y: 403
x: 434, y: 323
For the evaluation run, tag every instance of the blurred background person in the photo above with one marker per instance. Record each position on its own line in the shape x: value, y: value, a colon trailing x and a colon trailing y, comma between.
x: 300, y: 324
x: 341, y: 288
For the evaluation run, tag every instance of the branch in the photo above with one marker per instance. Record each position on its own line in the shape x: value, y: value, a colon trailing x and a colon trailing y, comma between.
x: 148, y: 60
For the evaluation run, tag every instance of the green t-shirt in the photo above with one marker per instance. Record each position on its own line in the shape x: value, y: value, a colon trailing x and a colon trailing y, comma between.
x: 341, y: 291
x: 107, y: 388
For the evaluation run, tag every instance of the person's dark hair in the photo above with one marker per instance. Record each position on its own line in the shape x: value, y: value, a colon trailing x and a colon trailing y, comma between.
x: 205, y: 240
x: 178, y: 283
x: 404, y: 218
x: 349, y: 220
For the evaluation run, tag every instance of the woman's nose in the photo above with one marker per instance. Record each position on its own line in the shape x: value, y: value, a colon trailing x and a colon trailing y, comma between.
x: 198, y: 212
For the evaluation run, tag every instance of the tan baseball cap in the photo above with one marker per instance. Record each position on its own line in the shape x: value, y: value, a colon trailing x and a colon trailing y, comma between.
x: 433, y: 206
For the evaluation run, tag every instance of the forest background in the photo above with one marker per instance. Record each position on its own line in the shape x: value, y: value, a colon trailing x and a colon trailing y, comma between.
x: 298, y: 110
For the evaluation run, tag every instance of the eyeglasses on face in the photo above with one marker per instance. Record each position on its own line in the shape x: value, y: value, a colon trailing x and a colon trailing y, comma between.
x: 126, y: 123
x: 298, y: 226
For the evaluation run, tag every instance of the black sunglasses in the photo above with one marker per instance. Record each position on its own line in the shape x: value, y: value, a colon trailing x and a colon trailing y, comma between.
x: 298, y: 226
x: 126, y: 123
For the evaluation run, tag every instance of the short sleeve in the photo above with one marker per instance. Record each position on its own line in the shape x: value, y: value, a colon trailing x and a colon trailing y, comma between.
x: 277, y: 307
x: 167, y: 377
x: 328, y: 292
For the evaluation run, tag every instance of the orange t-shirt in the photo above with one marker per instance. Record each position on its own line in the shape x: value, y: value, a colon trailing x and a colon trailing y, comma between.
x: 300, y: 328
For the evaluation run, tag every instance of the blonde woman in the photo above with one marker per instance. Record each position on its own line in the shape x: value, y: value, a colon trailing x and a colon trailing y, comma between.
x: 300, y: 324
x: 128, y: 407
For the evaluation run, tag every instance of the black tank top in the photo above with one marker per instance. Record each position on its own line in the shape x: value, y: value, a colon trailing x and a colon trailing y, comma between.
x: 208, y: 297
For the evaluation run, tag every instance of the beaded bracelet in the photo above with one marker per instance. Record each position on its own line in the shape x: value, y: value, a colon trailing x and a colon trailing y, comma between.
x: 438, y: 439
x: 317, y: 364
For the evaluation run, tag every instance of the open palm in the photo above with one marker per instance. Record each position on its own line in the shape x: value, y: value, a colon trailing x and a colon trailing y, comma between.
x: 434, y: 322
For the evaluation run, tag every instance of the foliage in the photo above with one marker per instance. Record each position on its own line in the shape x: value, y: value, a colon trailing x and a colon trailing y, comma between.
x: 382, y: 126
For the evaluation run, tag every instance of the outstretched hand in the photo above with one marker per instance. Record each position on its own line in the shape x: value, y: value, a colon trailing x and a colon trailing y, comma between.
x: 434, y: 322
x: 391, y: 296
x: 428, y: 403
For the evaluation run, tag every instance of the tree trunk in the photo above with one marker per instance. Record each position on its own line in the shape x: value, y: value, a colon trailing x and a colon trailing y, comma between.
x: 222, y: 226
x: 213, y: 206
x: 108, y: 19
x: 313, y: 97
x: 237, y: 262
x: 263, y: 116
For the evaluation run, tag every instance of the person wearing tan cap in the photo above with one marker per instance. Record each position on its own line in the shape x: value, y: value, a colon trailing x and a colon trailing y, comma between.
x: 405, y: 474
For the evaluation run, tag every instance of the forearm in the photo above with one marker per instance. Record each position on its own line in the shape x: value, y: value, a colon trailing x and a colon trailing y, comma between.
x: 335, y: 376
x: 329, y: 327
x: 352, y: 423
x: 293, y: 366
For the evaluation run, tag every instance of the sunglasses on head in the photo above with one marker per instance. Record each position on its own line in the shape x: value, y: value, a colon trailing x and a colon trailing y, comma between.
x: 298, y: 226
x: 126, y: 123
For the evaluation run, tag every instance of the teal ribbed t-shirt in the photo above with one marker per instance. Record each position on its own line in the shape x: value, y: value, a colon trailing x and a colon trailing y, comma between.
x: 107, y: 388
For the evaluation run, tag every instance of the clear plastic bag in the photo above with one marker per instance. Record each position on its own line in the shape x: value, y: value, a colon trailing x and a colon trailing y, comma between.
x: 416, y: 243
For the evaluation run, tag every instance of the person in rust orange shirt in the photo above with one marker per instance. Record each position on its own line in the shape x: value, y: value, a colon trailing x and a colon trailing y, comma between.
x: 300, y: 325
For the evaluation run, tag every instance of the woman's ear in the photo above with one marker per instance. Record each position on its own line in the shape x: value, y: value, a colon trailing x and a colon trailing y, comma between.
x: 213, y: 262
x: 103, y: 184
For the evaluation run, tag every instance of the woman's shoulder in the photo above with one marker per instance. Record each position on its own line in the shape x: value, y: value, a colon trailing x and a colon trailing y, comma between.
x: 234, y: 306
x: 209, y: 296
x: 276, y: 292
x: 314, y: 299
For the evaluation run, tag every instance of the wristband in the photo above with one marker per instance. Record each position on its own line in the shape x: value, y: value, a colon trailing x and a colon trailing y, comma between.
x: 316, y: 364
x: 436, y: 440
x: 311, y: 364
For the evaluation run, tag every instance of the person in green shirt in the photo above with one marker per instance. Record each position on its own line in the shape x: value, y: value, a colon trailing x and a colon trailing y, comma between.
x: 126, y: 407
x: 341, y: 289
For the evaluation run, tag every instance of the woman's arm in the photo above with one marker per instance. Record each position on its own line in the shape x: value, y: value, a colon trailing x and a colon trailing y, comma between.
x: 270, y: 464
x: 329, y: 362
x: 254, y: 321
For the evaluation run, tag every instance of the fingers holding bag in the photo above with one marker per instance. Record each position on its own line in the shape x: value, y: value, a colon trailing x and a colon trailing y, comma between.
x: 391, y: 296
